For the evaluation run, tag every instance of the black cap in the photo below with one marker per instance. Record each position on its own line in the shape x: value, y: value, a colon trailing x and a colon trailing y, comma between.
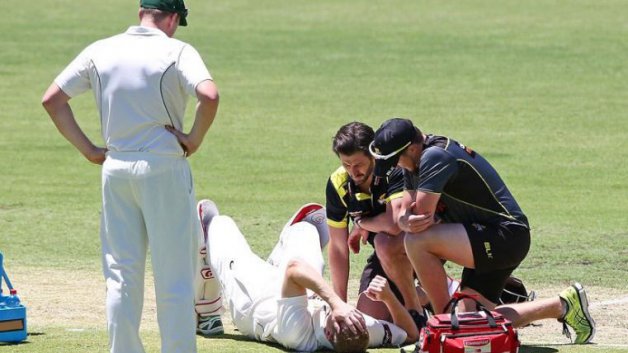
x: 390, y: 140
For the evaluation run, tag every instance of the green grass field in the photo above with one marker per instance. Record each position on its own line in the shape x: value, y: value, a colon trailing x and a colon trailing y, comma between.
x: 537, y: 87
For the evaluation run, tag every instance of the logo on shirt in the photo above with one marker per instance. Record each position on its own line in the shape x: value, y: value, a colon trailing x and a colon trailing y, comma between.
x: 467, y: 149
x: 478, y: 227
x: 489, y: 252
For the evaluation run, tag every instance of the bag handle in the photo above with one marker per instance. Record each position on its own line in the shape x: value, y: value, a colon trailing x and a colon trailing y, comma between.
x: 3, y: 274
x: 457, y: 297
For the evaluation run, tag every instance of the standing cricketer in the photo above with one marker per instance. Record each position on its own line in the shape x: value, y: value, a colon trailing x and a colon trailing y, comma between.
x: 140, y: 80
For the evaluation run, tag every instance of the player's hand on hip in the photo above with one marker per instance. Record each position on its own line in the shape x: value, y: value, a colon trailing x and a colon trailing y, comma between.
x: 188, y: 145
x: 96, y: 155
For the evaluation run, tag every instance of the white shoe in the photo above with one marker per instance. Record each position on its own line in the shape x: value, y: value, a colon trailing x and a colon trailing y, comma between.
x: 206, y: 210
x: 314, y: 214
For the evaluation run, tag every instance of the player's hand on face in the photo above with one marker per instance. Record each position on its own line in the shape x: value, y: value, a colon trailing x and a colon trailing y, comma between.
x: 96, y: 155
x: 379, y: 289
x: 184, y: 140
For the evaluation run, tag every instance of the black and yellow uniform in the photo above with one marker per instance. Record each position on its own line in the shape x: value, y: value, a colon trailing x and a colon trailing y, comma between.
x: 344, y: 201
x: 473, y: 194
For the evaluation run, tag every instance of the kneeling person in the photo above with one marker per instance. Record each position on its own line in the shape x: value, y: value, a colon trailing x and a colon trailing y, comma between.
x: 350, y: 197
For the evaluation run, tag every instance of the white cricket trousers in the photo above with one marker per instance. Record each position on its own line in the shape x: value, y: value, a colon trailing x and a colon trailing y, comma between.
x: 251, y: 285
x: 149, y: 203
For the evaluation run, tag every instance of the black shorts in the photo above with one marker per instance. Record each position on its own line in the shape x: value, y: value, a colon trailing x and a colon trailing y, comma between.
x: 373, y: 268
x: 497, y: 250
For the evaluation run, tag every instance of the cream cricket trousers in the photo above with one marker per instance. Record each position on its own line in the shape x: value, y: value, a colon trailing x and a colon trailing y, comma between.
x: 251, y: 285
x: 149, y: 203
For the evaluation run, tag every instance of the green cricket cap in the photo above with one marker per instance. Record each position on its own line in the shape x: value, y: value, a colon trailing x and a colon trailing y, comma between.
x: 174, y: 6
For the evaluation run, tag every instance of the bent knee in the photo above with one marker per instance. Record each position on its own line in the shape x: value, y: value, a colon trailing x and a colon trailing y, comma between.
x: 389, y: 247
x: 417, y: 241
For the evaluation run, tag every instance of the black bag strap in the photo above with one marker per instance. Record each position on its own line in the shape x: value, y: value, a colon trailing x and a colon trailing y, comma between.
x: 453, y: 304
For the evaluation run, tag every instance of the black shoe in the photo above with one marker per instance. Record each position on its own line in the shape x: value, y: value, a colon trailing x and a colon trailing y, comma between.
x: 419, y: 320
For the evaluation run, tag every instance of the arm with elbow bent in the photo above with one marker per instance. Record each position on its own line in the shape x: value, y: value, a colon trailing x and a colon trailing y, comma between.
x: 383, y: 222
x: 417, y: 211
x: 379, y: 290
x: 300, y: 276
x: 56, y: 103
x: 206, y: 108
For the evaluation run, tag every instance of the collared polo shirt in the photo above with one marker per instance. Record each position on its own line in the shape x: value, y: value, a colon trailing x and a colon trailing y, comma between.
x: 338, y: 196
x: 470, y: 188
x: 141, y: 80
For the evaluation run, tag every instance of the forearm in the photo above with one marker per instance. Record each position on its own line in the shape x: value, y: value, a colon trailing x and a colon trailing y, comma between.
x: 403, y: 210
x: 205, y: 112
x: 401, y: 317
x: 56, y: 104
x: 402, y: 220
x: 382, y: 222
x: 300, y: 276
x: 339, y: 269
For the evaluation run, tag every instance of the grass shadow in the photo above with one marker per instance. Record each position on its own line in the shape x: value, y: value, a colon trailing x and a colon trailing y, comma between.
x: 2, y: 344
x: 243, y: 338
x: 536, y: 349
x: 29, y: 334
x: 229, y: 336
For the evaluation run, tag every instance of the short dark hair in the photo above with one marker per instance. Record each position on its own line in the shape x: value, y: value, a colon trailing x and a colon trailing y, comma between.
x: 353, y: 137
x: 156, y: 14
x: 346, y: 341
x: 418, y: 137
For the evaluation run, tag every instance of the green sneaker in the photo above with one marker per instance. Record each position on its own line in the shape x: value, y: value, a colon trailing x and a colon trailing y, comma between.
x: 577, y: 315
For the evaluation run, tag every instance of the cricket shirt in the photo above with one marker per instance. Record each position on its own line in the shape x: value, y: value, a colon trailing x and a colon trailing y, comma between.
x: 141, y: 80
x: 470, y: 189
x: 340, y: 189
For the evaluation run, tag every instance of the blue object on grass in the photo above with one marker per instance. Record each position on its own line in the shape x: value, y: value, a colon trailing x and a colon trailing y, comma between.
x: 12, y: 312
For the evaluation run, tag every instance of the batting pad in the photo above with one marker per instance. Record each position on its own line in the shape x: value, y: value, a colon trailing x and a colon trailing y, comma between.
x: 208, y: 294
